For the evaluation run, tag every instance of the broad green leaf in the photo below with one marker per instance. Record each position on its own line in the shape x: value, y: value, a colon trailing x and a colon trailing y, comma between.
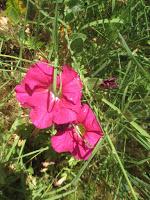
x: 77, y: 41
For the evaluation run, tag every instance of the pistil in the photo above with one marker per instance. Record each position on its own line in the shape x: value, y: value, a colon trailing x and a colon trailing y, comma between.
x: 80, y: 130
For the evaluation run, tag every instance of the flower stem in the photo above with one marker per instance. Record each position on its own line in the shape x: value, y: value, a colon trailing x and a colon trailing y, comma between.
x: 55, y: 75
x: 55, y: 39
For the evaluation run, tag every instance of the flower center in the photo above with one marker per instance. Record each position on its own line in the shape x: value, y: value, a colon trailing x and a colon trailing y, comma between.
x: 58, y: 93
x: 80, y: 129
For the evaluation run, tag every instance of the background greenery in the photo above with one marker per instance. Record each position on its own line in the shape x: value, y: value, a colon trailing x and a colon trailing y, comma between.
x: 100, y: 39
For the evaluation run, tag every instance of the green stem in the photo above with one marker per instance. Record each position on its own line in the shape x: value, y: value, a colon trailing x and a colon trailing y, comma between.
x: 121, y: 166
x: 55, y: 39
x: 55, y: 76
x: 77, y: 178
x: 14, y: 57
x: 60, y: 196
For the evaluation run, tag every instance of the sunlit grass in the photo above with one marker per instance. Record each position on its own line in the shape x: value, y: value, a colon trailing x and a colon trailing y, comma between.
x: 100, y: 39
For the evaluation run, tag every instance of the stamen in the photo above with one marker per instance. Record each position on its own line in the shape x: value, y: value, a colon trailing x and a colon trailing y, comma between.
x: 57, y: 92
x: 80, y: 129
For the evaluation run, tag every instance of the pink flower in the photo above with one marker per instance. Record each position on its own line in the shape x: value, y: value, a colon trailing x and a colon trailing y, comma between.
x: 80, y: 138
x: 35, y: 92
x: 109, y: 83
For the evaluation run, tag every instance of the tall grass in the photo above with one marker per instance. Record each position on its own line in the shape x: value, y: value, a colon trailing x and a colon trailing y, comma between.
x: 100, y: 39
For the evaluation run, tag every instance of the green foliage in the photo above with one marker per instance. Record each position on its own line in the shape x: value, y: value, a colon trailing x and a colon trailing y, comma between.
x: 76, y: 42
x: 33, y: 43
x: 100, y: 39
x: 13, y: 10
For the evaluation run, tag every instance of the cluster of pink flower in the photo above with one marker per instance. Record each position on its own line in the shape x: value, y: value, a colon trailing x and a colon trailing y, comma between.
x: 78, y: 130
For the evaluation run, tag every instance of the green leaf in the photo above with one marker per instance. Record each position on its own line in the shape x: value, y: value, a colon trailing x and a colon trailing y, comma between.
x: 93, y: 82
x: 13, y: 11
x: 69, y: 16
x: 78, y: 35
x: 33, y: 43
x: 77, y: 41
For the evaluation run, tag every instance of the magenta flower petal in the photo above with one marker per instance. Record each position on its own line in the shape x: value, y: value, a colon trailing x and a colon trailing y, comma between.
x: 37, y: 76
x: 59, y: 117
x: 27, y: 97
x: 71, y: 85
x: 72, y: 91
x: 88, y: 118
x: 41, y: 118
x: 81, y: 152
x: 91, y: 138
x: 35, y: 81
x: 63, y: 141
x: 22, y: 96
x: 85, y: 134
x: 68, y: 74
x: 64, y: 108
x: 41, y: 115
x: 45, y: 68
x: 35, y: 92
x: 67, y: 104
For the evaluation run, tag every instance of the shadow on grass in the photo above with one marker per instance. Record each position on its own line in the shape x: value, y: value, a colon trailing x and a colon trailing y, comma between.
x: 25, y: 163
x: 39, y: 141
x: 13, y: 184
